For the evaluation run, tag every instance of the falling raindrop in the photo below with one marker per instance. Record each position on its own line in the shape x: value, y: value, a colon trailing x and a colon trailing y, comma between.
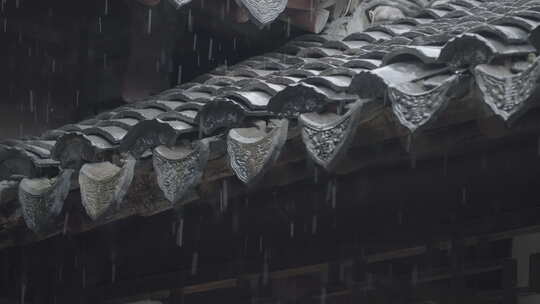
x: 314, y: 224
x: 222, y: 12
x: 413, y: 161
x: 60, y: 272
x: 99, y: 25
x: 190, y: 21
x: 224, y: 195
x: 464, y: 196
x: 17, y: 3
x: 104, y: 60
x: 179, y: 78
x: 20, y: 36
x: 5, y: 25
x: 370, y: 280
x: 260, y: 243
x: 53, y: 65
x: 323, y: 295
x: 31, y: 99
x: 106, y: 9
x: 198, y: 60
x: 228, y: 6
x: 245, y: 245
x: 47, y: 107
x: 194, y: 42
x: 291, y: 229
x: 288, y: 32
x: 23, y: 291
x: 334, y: 194
x: 66, y: 222
x: 210, y: 46
x: 113, y: 272
x: 414, y: 275
x: 234, y: 48
x: 77, y: 94
x: 3, y: 5
x: 194, y: 263
x: 202, y: 4
x: 157, y: 66
x: 149, y: 27
x: 180, y: 233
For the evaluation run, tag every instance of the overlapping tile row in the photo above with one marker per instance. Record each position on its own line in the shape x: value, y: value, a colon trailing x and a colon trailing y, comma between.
x: 418, y: 64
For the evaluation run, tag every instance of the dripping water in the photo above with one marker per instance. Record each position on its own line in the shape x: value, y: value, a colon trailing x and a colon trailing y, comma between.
x: 149, y: 25
x: 190, y: 21
x: 66, y: 222
x: 194, y: 263
x: 180, y: 233
x: 210, y: 45
x: 179, y: 78
x: 291, y: 229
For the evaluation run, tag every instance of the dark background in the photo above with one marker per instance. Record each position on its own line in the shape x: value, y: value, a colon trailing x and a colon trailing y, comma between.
x: 62, y: 61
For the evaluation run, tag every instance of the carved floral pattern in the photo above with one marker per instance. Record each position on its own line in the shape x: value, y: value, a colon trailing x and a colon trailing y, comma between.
x: 415, y: 110
x: 507, y: 95
x: 249, y: 159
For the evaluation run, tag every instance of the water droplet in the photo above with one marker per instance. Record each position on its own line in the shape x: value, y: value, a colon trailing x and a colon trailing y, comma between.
x: 291, y: 229
x: 149, y: 25
x: 190, y: 21
x: 99, y: 25
x: 323, y: 295
x: 224, y: 195
x: 194, y: 42
x: 288, y: 31
x: 180, y: 233
x: 106, y: 9
x: 210, y: 46
x: 179, y: 78
x: 66, y: 223
x: 31, y: 100
x: 234, y: 48
x: 23, y: 291
x: 314, y: 224
x: 414, y: 275
x: 194, y: 263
